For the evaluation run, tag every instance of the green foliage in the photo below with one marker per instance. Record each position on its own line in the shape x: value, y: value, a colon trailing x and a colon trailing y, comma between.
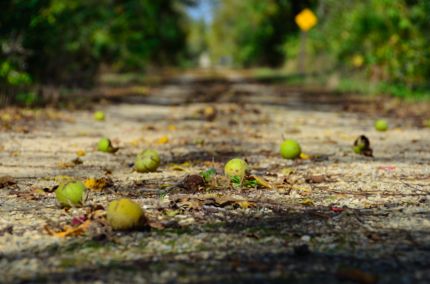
x: 253, y: 32
x: 60, y: 42
x: 208, y: 174
x: 387, y: 40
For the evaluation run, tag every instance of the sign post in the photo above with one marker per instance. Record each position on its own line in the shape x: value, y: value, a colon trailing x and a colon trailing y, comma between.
x: 306, y: 20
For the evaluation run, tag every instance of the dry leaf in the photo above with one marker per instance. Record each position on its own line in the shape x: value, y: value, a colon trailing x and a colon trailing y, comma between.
x: 98, y: 184
x: 305, y: 156
x: 70, y: 231
x: 6, y: 181
x: 260, y: 181
x: 180, y: 167
x: 163, y: 140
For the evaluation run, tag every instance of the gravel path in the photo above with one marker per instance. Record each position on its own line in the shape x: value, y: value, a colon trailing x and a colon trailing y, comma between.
x: 338, y: 217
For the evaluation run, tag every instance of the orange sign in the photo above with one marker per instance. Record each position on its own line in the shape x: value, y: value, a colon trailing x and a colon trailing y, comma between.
x: 306, y: 20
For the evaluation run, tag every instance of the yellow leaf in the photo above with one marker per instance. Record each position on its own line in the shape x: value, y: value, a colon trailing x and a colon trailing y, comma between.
x: 97, y: 184
x: 260, y: 181
x: 80, y: 153
x: 181, y: 167
x: 245, y: 204
x: 163, y: 140
x: 305, y: 156
x: 307, y: 202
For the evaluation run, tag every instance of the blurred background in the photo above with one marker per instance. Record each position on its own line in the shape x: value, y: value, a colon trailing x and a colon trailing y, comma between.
x: 367, y: 46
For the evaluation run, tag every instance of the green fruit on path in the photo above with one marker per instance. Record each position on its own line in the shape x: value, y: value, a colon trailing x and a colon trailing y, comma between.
x: 71, y: 194
x: 381, y: 125
x: 123, y: 214
x: 99, y: 116
x: 147, y: 161
x: 290, y: 149
x: 236, y: 167
x: 357, y: 149
x: 105, y: 145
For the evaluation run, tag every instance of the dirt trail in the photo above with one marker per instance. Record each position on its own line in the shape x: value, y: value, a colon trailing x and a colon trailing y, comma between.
x: 336, y: 216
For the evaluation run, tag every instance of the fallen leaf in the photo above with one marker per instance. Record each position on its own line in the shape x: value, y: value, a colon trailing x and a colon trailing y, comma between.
x: 80, y: 153
x: 260, y: 181
x: 307, y: 202
x: 163, y: 140
x: 180, y: 167
x: 245, y: 204
x: 6, y: 181
x: 336, y: 209
x: 305, y: 156
x: 70, y: 231
x: 99, y: 184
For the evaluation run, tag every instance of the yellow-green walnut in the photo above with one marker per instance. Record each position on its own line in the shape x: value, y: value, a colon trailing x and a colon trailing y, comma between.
x: 124, y: 214
x: 147, y: 161
x: 71, y: 194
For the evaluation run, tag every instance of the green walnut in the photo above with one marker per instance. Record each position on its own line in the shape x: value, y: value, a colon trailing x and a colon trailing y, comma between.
x: 381, y: 125
x: 290, y: 149
x: 71, y: 194
x: 124, y: 214
x: 147, y: 161
x: 236, y: 167
x: 99, y: 116
x: 105, y: 145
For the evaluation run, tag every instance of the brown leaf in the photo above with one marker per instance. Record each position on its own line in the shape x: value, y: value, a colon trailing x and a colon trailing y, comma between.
x: 6, y: 181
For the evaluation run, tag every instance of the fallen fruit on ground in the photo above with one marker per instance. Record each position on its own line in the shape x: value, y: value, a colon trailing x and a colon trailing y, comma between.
x: 381, y: 125
x: 123, y: 214
x: 147, y: 161
x: 236, y: 168
x: 209, y: 113
x: 99, y: 116
x: 105, y: 145
x: 362, y: 146
x: 71, y: 194
x: 290, y: 149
